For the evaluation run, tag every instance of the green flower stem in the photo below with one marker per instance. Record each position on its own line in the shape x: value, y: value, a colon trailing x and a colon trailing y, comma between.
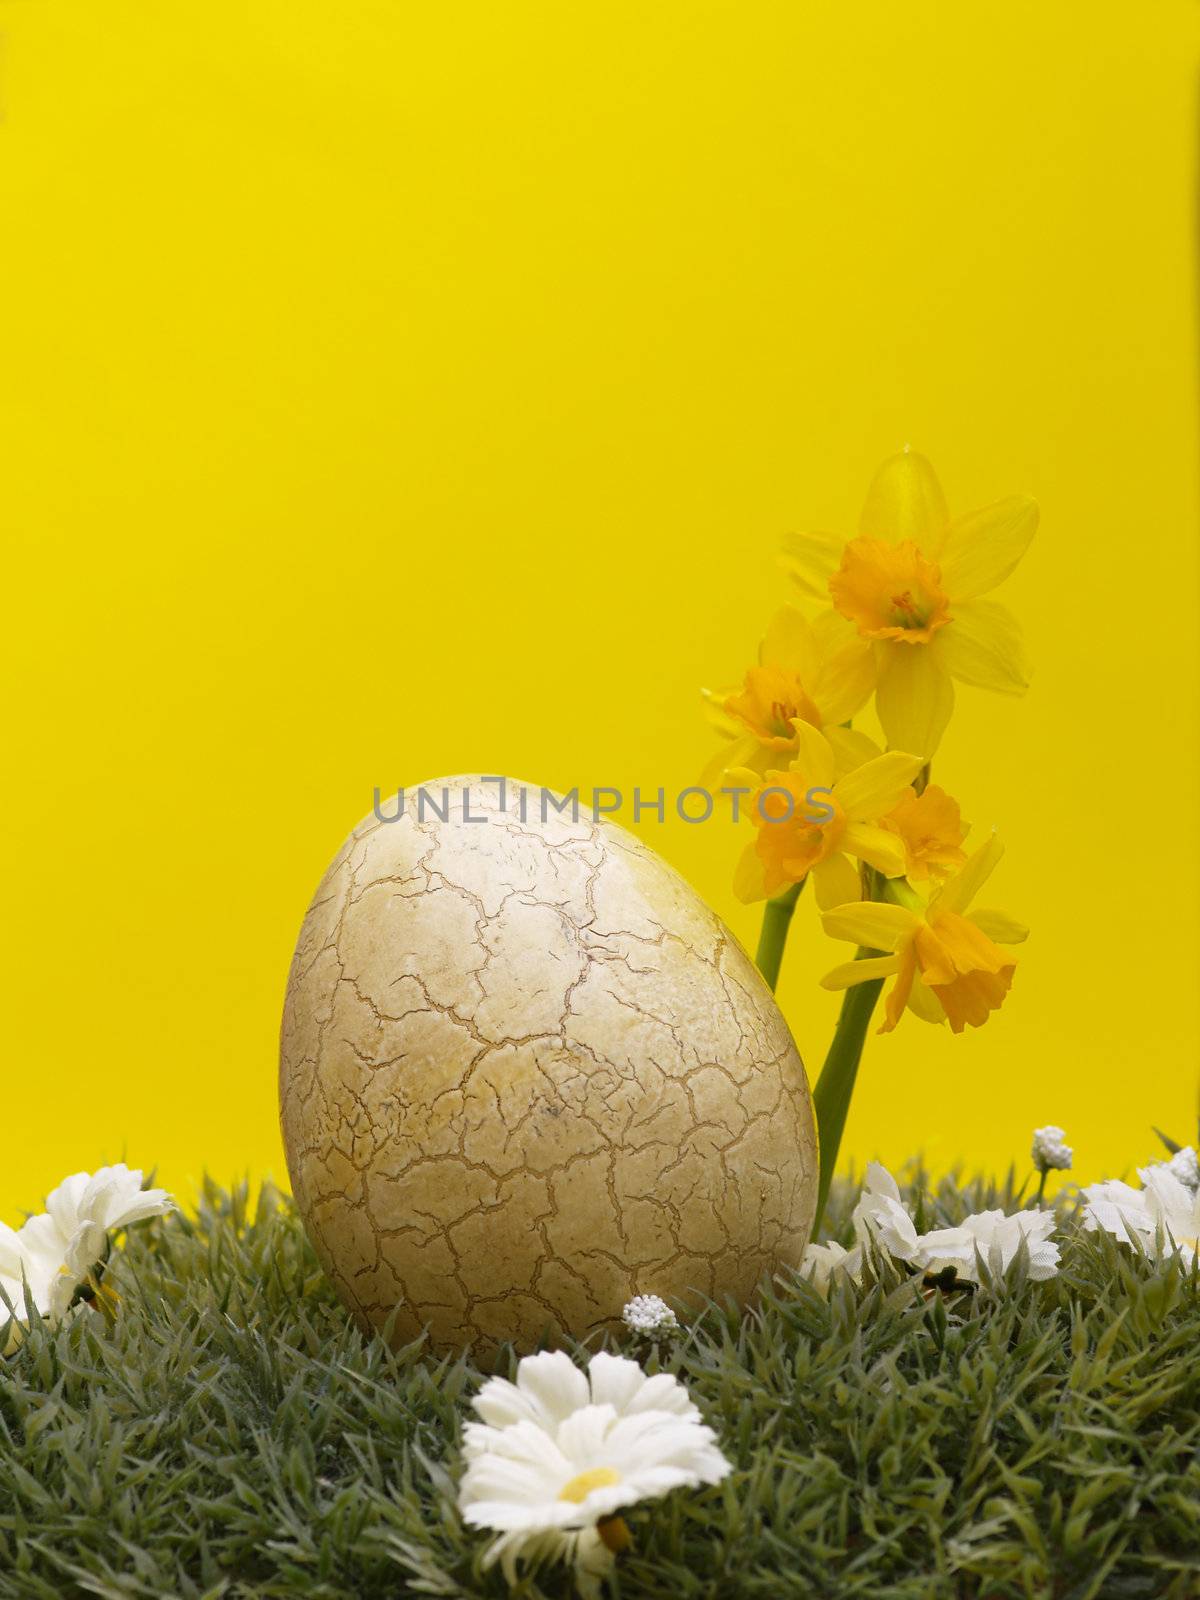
x: 831, y: 1098
x: 777, y: 919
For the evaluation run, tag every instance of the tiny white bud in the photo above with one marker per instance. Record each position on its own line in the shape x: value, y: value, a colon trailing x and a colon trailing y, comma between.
x: 648, y: 1315
x: 1184, y: 1166
x: 1050, y: 1152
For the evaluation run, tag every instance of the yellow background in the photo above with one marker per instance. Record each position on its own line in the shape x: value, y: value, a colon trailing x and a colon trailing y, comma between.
x: 390, y: 391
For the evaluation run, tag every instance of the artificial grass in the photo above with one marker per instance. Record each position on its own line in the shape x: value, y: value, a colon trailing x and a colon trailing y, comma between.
x: 234, y: 1435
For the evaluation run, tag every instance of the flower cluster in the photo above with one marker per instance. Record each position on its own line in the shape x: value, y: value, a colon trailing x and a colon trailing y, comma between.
x: 986, y: 1241
x: 1051, y: 1153
x: 55, y: 1262
x: 650, y: 1317
x: 558, y: 1455
x: 904, y: 617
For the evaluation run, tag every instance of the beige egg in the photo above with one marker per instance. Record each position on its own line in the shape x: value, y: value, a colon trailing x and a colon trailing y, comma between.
x: 525, y: 1074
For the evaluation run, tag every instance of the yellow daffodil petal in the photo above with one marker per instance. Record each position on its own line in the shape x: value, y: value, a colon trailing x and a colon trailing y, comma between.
x: 749, y: 878
x: 852, y: 972
x: 905, y: 501
x: 736, y: 758
x: 743, y: 776
x: 914, y: 696
x: 871, y: 790
x: 811, y: 559
x: 982, y: 646
x: 851, y: 747
x: 922, y: 1002
x: 814, y: 757
x: 878, y: 847
x: 871, y: 923
x: 716, y: 715
x: 982, y: 548
x: 896, y: 998
x: 835, y: 881
x: 957, y: 892
x: 844, y: 677
x: 789, y: 643
x: 1000, y: 927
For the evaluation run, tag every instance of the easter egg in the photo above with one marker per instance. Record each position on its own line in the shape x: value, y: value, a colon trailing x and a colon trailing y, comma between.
x: 525, y: 1074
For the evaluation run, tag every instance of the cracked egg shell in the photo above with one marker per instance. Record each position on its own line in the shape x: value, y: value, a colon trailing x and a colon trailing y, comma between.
x: 525, y: 1073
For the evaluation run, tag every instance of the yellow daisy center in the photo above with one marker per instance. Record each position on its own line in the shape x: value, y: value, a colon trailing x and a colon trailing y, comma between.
x: 580, y: 1487
x: 890, y: 591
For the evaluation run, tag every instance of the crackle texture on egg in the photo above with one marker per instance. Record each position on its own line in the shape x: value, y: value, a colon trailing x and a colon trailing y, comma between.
x: 525, y: 1073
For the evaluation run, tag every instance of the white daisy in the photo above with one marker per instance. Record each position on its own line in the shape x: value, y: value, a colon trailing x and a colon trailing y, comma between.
x: 823, y: 1262
x: 559, y: 1454
x: 1117, y: 1208
x: 1175, y: 1213
x: 59, y: 1250
x: 1051, y: 1153
x: 996, y: 1238
x: 880, y: 1215
x: 14, y: 1275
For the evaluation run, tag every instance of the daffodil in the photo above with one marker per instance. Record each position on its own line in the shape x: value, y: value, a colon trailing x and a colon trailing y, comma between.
x: 806, y: 672
x: 912, y: 583
x: 560, y: 1454
x: 809, y: 819
x: 945, y: 958
x: 931, y: 829
x: 928, y: 823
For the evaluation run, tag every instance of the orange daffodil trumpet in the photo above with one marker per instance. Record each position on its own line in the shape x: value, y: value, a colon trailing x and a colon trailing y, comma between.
x: 946, y: 959
x: 912, y: 584
x: 808, y: 819
x: 807, y: 672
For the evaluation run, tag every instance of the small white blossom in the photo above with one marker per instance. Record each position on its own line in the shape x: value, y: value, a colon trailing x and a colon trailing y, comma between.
x: 651, y: 1317
x: 821, y: 1263
x: 1117, y: 1208
x: 996, y: 1238
x: 1184, y: 1166
x: 559, y: 1454
x: 57, y: 1251
x: 1051, y: 1153
x: 880, y: 1215
x: 1174, y: 1210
